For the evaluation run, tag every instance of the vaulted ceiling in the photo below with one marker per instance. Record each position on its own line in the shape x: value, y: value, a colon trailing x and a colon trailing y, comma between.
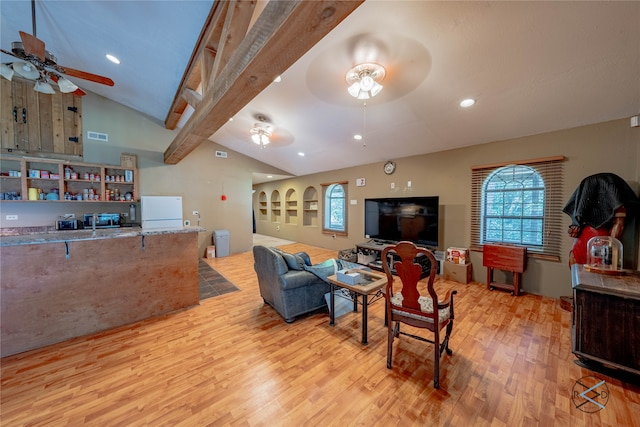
x: 533, y: 67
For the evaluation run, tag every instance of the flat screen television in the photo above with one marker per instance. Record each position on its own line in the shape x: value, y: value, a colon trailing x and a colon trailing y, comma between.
x: 402, y: 218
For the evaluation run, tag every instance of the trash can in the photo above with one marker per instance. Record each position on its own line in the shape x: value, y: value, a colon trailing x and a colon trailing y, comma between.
x: 221, y: 242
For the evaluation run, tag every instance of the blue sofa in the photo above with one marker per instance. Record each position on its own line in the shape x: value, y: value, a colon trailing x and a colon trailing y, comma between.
x: 284, y: 283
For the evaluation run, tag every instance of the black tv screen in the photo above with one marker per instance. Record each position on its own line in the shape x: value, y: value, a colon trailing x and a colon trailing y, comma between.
x: 402, y: 218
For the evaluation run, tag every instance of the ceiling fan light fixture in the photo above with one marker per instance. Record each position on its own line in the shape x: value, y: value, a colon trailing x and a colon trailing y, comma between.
x: 43, y: 87
x: 260, y: 134
x: 364, y: 80
x: 6, y: 71
x: 26, y: 70
x: 66, y: 86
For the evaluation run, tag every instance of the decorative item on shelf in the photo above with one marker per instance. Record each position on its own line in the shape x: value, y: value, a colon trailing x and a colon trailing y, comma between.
x: 604, y: 255
x: 33, y: 194
x: 128, y: 160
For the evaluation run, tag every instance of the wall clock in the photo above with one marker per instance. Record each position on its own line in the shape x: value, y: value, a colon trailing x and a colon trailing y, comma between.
x: 389, y: 167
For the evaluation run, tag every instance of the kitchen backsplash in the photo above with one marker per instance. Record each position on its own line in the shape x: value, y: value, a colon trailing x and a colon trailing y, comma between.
x: 44, y: 214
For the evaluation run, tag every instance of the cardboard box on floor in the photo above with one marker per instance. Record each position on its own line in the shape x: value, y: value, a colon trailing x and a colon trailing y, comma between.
x: 460, y: 273
x: 211, y: 251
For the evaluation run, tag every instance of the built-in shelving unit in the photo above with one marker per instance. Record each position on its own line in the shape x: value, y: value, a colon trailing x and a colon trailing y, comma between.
x: 291, y: 209
x: 37, y: 179
x: 310, y: 207
x: 262, y: 206
x: 276, y: 209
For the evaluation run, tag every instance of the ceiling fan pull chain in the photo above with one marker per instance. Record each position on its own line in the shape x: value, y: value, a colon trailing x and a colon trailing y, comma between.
x: 364, y: 122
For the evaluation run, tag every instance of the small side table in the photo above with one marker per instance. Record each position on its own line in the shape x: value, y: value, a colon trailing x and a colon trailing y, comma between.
x: 370, y: 289
x: 508, y: 258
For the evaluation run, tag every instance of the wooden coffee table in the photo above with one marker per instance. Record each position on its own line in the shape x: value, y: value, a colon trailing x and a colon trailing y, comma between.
x: 370, y: 289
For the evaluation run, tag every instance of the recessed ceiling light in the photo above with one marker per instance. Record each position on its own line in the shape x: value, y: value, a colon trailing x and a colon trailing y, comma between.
x: 467, y: 102
x: 269, y: 176
x: 112, y: 58
x: 301, y: 154
x: 357, y: 137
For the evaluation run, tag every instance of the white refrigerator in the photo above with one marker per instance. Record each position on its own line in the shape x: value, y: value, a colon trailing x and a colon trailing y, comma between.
x: 161, y: 211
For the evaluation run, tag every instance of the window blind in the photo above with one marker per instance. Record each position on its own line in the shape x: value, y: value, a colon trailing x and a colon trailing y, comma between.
x: 551, y: 169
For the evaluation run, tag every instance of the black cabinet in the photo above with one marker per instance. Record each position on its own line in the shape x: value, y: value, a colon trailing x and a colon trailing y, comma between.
x: 606, y: 319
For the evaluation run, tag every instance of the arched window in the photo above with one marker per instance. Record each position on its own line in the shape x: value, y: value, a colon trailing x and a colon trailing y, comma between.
x: 513, y: 199
x: 335, y: 208
x: 519, y: 203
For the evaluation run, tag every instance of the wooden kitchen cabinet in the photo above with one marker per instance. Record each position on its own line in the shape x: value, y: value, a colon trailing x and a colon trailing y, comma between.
x: 605, y: 327
x: 33, y: 123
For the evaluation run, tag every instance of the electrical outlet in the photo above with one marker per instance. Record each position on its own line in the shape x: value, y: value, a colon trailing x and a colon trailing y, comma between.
x: 11, y: 217
x: 196, y: 213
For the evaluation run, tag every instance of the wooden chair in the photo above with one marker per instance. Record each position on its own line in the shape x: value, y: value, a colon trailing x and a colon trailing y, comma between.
x: 413, y: 303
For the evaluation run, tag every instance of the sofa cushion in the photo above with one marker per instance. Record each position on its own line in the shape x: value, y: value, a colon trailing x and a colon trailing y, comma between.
x: 294, y: 261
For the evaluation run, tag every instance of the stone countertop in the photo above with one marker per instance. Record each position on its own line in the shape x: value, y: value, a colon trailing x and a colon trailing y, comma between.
x: 87, y: 234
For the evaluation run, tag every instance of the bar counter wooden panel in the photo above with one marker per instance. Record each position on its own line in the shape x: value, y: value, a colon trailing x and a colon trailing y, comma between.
x: 48, y: 297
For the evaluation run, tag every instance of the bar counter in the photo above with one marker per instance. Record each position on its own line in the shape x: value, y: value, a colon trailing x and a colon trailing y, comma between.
x: 59, y: 285
x: 55, y: 236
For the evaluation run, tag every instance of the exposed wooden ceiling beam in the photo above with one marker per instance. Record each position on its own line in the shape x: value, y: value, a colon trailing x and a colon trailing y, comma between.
x: 235, y: 28
x: 284, y: 31
x: 205, y: 47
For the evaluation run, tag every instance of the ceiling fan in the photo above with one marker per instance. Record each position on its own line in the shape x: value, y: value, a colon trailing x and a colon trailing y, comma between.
x: 40, y: 65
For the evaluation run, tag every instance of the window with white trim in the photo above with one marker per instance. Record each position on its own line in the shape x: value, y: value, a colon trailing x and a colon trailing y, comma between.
x: 519, y: 204
x: 335, y: 208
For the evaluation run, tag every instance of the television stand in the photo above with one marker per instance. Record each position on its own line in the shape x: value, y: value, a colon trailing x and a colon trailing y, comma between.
x: 369, y: 254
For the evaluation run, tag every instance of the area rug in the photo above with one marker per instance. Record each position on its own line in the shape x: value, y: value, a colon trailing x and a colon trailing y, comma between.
x: 211, y: 283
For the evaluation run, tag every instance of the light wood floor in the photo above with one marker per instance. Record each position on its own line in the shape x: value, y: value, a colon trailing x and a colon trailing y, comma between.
x: 234, y: 361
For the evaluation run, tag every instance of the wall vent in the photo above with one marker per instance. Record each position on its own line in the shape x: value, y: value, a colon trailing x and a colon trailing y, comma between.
x: 98, y: 136
x: 222, y: 154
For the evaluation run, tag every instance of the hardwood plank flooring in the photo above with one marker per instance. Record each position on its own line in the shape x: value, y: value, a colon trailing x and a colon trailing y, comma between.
x: 233, y: 361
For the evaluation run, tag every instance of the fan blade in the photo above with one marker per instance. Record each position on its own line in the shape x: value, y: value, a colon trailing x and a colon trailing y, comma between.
x: 10, y: 53
x: 54, y: 78
x: 84, y: 75
x: 32, y: 45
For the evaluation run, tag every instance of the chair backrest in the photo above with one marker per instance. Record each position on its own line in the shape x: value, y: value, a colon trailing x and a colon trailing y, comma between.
x: 409, y: 263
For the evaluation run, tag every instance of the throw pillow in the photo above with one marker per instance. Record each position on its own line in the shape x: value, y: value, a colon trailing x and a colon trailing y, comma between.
x: 294, y: 262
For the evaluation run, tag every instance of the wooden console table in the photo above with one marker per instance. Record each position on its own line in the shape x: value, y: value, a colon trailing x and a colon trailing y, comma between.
x: 605, y: 327
x: 504, y: 257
